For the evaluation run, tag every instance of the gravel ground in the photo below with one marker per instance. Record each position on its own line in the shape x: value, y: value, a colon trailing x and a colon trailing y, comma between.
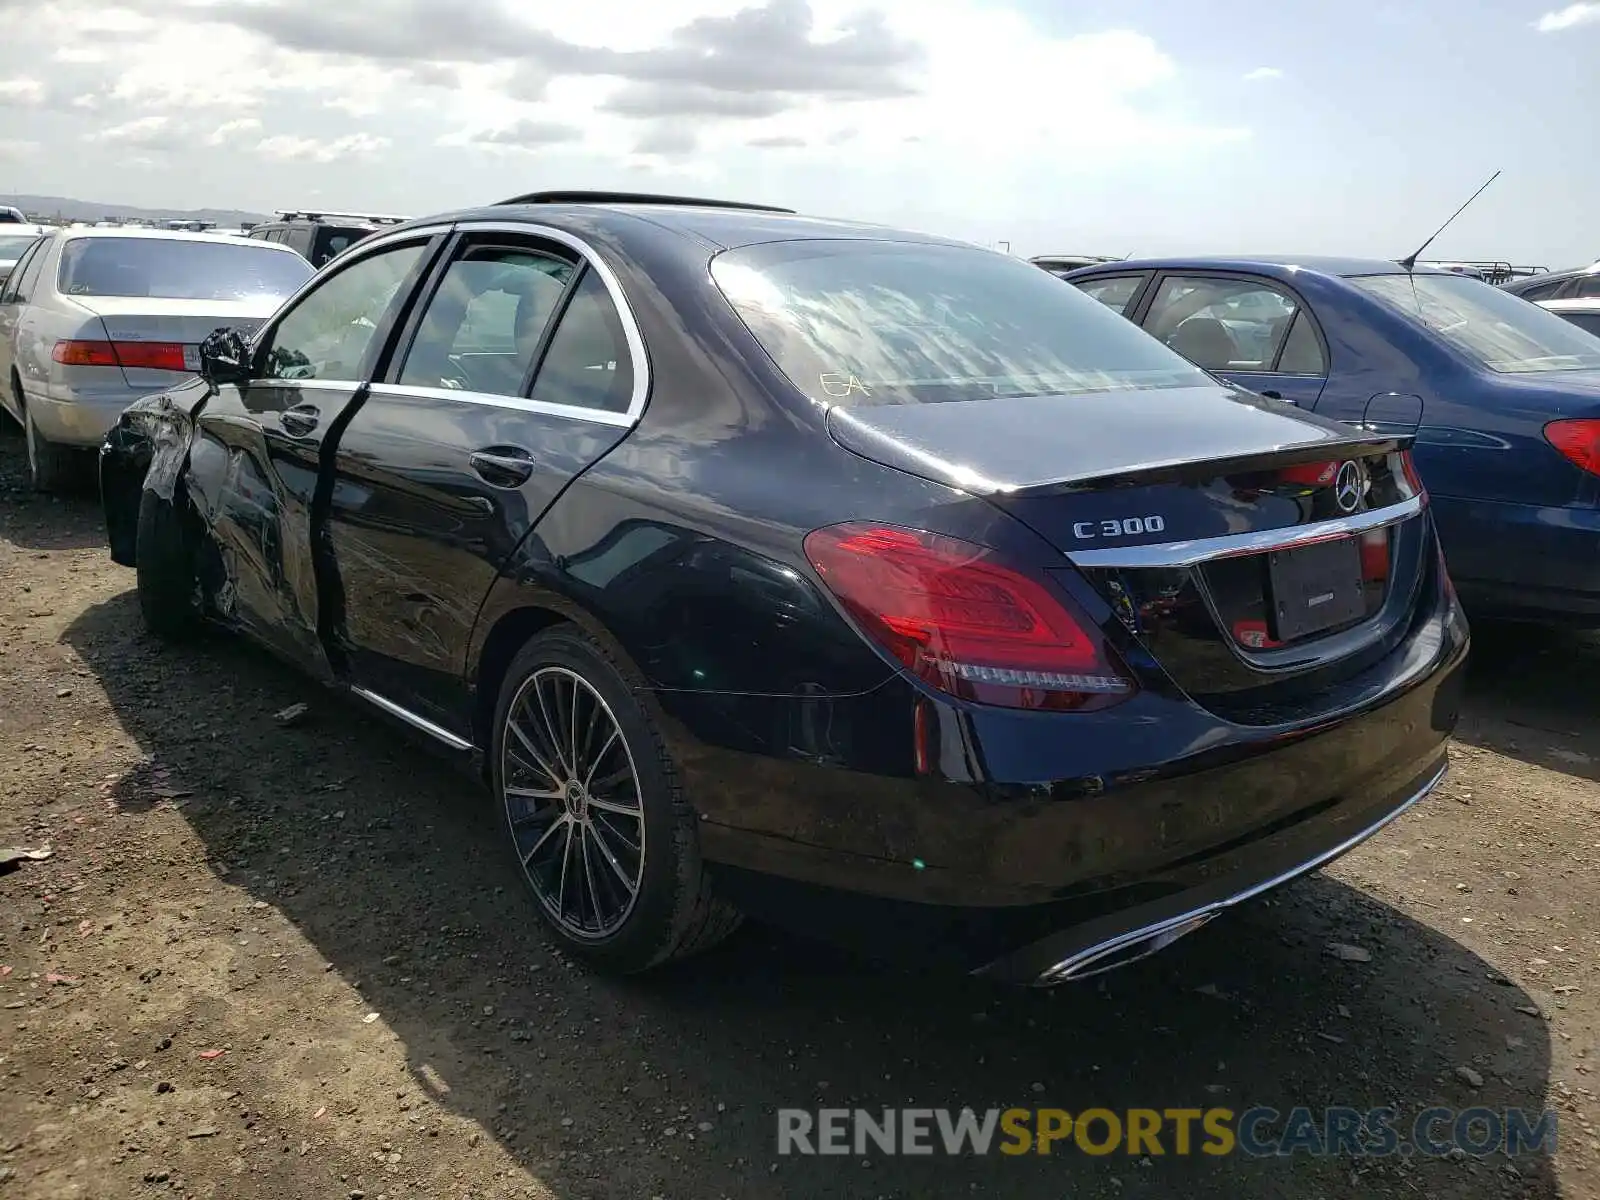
x: 267, y: 962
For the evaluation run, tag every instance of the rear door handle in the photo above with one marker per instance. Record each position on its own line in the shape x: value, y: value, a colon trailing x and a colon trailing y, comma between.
x: 301, y: 420
x: 502, y: 466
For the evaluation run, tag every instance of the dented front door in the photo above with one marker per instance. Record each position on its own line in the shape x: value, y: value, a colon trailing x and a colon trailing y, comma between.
x: 256, y: 461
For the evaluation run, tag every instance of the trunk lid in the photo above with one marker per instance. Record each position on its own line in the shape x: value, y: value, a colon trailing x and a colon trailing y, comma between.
x: 136, y: 319
x: 1182, y: 510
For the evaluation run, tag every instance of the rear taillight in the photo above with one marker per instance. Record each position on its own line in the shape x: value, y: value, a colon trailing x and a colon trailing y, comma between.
x: 1578, y: 440
x: 1310, y: 474
x: 150, y: 356
x: 85, y: 354
x: 1408, y: 468
x: 1375, y: 555
x: 960, y: 619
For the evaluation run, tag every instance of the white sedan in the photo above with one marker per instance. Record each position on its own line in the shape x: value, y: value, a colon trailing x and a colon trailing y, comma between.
x: 92, y: 319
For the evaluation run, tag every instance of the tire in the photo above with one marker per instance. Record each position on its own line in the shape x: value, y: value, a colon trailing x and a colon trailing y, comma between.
x: 49, y: 465
x: 672, y: 911
x: 164, y: 566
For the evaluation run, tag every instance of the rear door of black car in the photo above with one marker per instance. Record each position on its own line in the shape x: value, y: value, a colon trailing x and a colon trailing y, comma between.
x: 256, y: 459
x: 520, y: 368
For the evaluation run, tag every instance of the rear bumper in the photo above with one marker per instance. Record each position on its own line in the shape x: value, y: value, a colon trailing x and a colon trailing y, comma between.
x: 82, y: 419
x: 1133, y: 933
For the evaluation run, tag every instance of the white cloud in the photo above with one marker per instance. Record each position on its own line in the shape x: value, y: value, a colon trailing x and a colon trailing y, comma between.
x: 142, y: 131
x: 13, y: 149
x: 21, y: 92
x: 306, y: 149
x: 232, y: 131
x: 1569, y: 17
x: 948, y: 99
x: 1261, y: 74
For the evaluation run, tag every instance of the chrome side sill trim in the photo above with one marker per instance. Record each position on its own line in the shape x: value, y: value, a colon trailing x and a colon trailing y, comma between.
x: 1192, y: 553
x: 1163, y: 933
x: 411, y: 718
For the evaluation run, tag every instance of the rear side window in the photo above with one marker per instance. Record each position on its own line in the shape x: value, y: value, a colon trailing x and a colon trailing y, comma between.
x: 330, y: 240
x: 1114, y: 292
x: 13, y: 292
x: 864, y: 322
x: 175, y: 269
x: 27, y: 274
x: 588, y: 364
x: 1223, y: 324
x: 1587, y: 287
x: 483, y: 324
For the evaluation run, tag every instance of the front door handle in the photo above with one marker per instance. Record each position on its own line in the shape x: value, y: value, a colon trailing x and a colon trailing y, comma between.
x: 502, y: 466
x: 301, y: 420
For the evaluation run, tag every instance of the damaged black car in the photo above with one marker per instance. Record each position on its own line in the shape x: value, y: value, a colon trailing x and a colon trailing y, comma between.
x: 862, y: 581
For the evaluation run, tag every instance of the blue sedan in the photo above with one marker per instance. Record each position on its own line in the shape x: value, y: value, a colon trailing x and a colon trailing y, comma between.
x: 1503, y: 397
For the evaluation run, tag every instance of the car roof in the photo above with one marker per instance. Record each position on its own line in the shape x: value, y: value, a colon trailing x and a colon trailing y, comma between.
x: 170, y: 235
x: 716, y: 227
x: 1271, y: 264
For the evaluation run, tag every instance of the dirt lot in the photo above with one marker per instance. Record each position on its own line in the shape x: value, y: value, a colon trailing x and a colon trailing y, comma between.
x: 326, y: 906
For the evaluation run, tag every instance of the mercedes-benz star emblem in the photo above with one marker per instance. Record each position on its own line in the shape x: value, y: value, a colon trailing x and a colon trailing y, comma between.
x: 1347, y: 487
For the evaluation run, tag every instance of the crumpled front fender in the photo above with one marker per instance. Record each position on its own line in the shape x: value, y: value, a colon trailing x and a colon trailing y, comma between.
x: 147, y: 449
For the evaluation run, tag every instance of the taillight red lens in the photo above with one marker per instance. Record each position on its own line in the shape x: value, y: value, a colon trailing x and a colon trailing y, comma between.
x: 1578, y: 440
x: 1310, y: 474
x: 149, y: 356
x: 1375, y: 555
x: 85, y: 354
x: 963, y: 621
x: 1408, y: 467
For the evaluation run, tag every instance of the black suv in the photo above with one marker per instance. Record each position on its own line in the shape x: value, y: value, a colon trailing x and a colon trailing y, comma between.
x: 318, y: 236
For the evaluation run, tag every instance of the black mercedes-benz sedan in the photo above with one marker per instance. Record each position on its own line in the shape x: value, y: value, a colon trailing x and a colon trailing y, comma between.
x: 870, y: 583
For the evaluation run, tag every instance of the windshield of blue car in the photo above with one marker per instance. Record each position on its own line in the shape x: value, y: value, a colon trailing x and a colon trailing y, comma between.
x: 179, y: 269
x: 880, y: 322
x: 1502, y: 332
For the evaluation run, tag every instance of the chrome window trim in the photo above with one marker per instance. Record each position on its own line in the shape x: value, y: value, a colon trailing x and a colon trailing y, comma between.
x: 571, y: 412
x: 619, y: 298
x: 1201, y: 550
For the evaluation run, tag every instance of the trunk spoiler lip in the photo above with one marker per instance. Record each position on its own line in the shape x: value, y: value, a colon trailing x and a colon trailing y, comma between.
x: 1196, y: 551
x: 1359, y: 441
x: 1362, y: 443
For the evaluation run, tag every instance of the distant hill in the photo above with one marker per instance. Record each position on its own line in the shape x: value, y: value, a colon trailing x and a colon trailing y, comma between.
x: 67, y: 209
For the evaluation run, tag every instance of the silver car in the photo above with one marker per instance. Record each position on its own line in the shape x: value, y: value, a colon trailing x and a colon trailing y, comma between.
x: 92, y: 319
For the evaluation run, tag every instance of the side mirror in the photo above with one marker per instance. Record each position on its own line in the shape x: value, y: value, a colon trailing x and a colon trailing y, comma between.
x: 224, y: 358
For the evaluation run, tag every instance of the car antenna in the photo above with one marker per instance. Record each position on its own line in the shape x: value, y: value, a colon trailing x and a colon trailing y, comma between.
x: 1410, y: 262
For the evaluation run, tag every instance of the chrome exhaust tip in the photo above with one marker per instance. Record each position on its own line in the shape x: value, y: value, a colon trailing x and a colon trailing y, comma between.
x: 1121, y: 951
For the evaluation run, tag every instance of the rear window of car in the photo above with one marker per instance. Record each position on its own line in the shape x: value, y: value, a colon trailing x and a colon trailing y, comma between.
x: 1492, y: 327
x: 865, y: 322
x: 12, y: 245
x: 177, y: 269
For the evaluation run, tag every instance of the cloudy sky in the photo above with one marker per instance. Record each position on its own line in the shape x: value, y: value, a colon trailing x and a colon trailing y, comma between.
x: 1099, y: 126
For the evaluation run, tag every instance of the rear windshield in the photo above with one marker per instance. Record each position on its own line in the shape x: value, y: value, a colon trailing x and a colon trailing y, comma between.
x: 1502, y: 332
x: 177, y: 269
x: 862, y: 322
x: 12, y: 246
